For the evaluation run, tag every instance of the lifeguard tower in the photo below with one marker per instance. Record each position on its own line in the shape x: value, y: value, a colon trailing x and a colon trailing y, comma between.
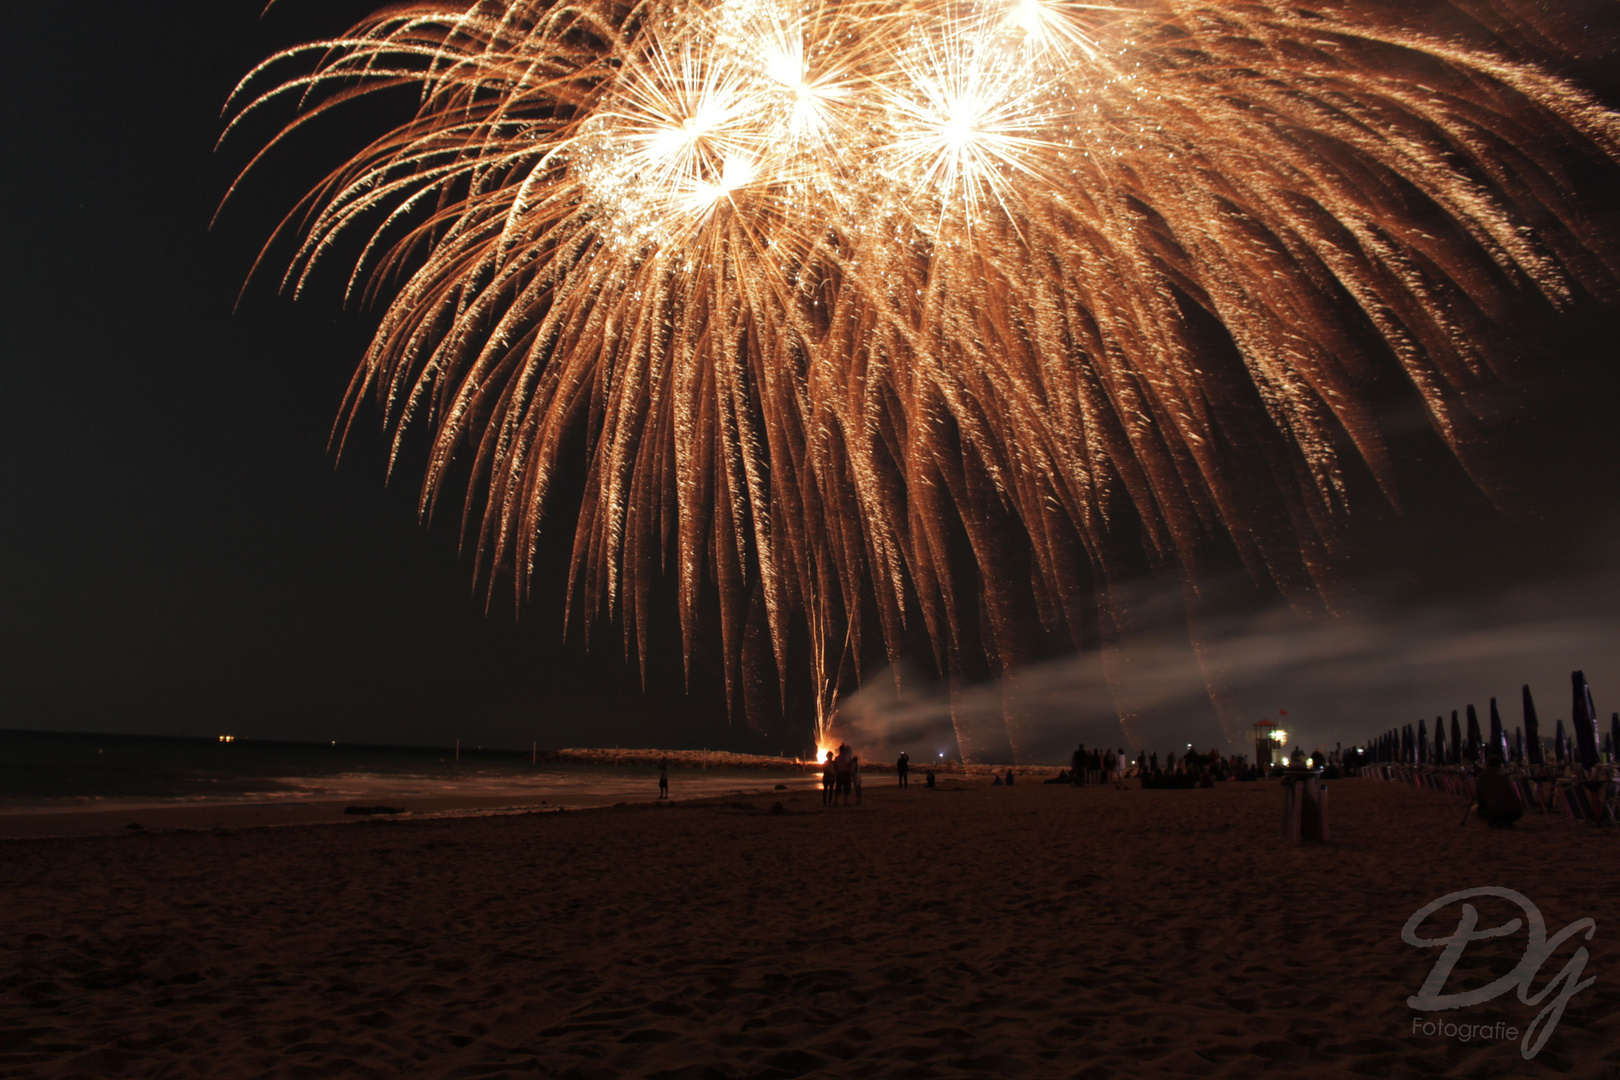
x: 1266, y: 737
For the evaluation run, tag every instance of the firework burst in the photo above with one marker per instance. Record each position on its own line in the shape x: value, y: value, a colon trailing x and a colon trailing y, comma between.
x: 879, y: 312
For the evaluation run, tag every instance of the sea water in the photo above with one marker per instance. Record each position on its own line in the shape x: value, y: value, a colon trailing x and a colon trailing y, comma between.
x: 57, y: 771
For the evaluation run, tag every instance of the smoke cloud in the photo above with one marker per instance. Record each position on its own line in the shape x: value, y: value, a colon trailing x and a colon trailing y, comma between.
x: 1383, y: 661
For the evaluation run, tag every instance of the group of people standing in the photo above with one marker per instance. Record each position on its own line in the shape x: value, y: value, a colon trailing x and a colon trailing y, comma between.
x: 1094, y: 766
x: 841, y: 775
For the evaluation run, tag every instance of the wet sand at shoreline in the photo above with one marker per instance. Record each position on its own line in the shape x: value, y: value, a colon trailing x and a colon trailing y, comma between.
x: 80, y: 821
x: 1032, y: 931
x: 242, y: 815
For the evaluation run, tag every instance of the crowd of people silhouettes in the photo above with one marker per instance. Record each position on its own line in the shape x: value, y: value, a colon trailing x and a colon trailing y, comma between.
x: 841, y: 777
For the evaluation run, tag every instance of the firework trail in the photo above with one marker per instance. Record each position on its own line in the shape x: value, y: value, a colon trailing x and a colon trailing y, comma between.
x: 873, y: 313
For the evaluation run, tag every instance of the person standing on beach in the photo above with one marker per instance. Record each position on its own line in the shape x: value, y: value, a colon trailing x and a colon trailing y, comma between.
x: 663, y: 778
x: 828, y: 773
x: 902, y: 768
x: 855, y: 777
x: 841, y: 774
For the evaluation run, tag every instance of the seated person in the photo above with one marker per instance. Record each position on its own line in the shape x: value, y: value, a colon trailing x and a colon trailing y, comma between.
x: 1498, y: 799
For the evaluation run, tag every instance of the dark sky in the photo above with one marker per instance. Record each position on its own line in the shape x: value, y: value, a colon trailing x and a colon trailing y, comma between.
x: 179, y: 555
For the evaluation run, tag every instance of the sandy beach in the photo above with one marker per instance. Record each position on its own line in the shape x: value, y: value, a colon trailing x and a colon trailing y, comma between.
x: 1032, y: 931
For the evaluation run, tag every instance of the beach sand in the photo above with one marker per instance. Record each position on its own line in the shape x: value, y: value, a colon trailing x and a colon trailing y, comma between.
x: 248, y: 814
x: 1031, y: 931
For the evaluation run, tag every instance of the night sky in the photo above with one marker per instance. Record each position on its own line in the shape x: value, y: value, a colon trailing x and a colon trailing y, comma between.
x: 181, y: 554
x: 178, y: 553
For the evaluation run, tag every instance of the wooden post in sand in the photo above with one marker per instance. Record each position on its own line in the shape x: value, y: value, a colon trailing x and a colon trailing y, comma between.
x: 1304, y: 808
x: 1292, y: 810
x: 458, y: 749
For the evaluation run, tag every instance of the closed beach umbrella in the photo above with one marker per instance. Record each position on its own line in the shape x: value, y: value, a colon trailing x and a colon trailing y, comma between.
x: 1614, y: 732
x: 1423, y: 742
x: 1456, y: 740
x: 1518, y: 744
x: 1532, y: 730
x: 1439, y: 741
x: 1475, y: 742
x: 1584, y: 717
x: 1560, y: 744
x: 1499, y: 742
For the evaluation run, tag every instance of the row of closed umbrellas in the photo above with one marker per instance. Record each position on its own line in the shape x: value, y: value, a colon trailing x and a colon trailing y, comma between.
x: 1412, y: 744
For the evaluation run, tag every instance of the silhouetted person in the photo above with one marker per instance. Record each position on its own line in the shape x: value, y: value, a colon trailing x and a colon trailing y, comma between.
x: 902, y: 769
x: 663, y: 778
x: 1009, y: 777
x: 997, y: 781
x: 828, y: 775
x: 1498, y: 799
x: 855, y: 777
x: 928, y: 778
x: 1077, y: 765
x: 843, y: 775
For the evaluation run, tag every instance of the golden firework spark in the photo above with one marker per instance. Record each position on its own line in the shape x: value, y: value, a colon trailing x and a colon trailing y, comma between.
x: 878, y: 311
